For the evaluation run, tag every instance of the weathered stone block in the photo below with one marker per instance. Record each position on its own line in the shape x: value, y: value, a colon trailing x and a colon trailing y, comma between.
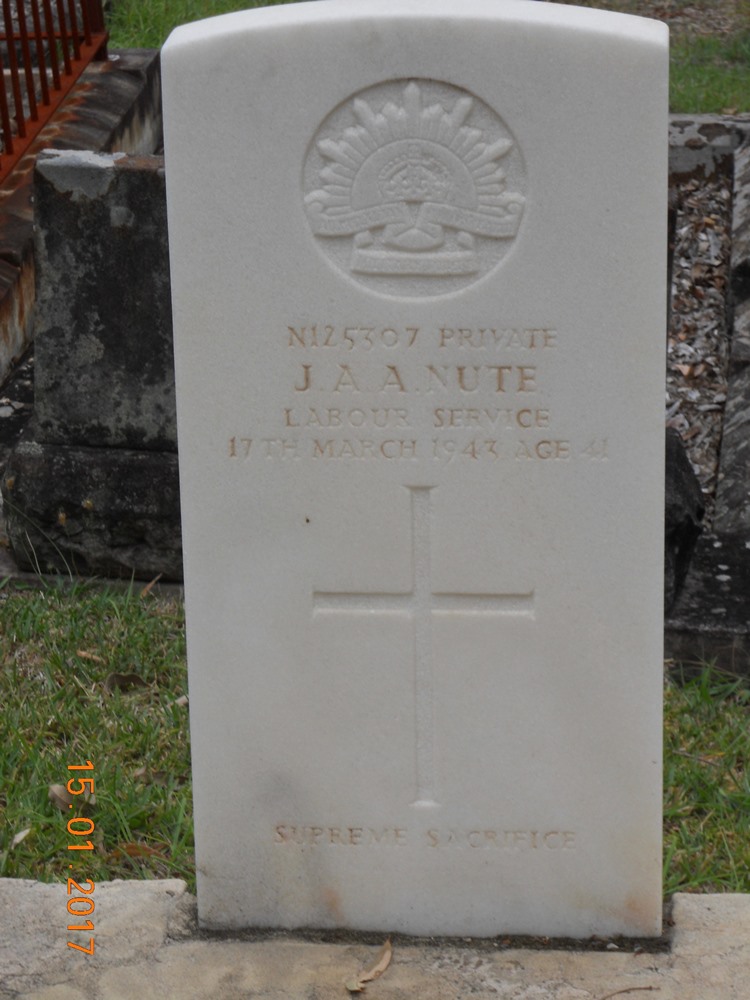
x: 93, y: 486
x: 104, y: 363
x: 116, y: 105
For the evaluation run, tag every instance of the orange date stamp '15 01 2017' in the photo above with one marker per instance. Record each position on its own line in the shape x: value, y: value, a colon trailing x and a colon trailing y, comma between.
x: 86, y: 785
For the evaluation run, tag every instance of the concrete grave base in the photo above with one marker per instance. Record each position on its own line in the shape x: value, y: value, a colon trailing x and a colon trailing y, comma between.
x: 146, y: 945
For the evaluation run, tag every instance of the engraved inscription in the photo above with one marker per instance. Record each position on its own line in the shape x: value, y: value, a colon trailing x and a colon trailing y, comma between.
x: 340, y: 836
x: 358, y: 392
x: 431, y: 378
x: 365, y: 338
x: 414, y: 187
x: 476, y: 839
x: 420, y: 603
x: 507, y: 840
x: 380, y: 417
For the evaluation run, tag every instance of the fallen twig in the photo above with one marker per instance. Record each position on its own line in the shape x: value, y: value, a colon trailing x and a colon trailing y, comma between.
x: 629, y: 989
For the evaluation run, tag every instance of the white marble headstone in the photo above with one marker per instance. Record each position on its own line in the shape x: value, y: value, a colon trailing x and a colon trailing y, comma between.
x: 418, y: 253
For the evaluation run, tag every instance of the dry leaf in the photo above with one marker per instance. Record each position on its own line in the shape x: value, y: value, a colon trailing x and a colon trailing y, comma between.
x: 181, y: 701
x: 123, y: 682
x: 89, y: 656
x: 384, y: 960
x: 160, y: 778
x: 149, y: 586
x: 21, y: 835
x: 60, y: 796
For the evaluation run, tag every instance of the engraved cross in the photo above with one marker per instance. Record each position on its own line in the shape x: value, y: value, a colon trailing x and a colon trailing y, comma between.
x: 421, y: 603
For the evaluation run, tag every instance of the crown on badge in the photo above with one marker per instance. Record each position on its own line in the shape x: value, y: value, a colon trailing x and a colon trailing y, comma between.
x: 415, y: 177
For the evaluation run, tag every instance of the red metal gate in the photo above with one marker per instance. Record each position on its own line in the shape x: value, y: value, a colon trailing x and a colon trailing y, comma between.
x: 44, y: 47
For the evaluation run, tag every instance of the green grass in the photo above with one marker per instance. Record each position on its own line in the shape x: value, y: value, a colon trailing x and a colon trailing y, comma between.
x: 62, y: 706
x: 707, y: 785
x: 147, y: 23
x: 708, y: 74
x: 711, y: 74
x: 59, y: 650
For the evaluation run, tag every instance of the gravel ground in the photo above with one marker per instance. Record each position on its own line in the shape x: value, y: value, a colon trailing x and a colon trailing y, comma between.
x: 702, y: 17
x: 698, y: 339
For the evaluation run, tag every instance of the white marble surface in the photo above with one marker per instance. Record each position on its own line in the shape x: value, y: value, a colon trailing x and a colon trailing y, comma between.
x: 418, y: 255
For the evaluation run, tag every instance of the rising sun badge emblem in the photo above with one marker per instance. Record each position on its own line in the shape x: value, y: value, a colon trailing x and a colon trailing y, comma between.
x: 414, y: 188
